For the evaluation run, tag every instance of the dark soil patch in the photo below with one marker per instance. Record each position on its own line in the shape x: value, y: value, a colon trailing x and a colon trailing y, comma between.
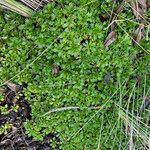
x: 16, y: 139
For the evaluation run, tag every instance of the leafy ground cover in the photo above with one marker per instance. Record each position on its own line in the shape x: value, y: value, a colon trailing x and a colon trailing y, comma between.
x: 59, y: 54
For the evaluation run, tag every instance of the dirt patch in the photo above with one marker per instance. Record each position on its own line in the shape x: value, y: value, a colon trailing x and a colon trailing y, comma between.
x: 15, y: 137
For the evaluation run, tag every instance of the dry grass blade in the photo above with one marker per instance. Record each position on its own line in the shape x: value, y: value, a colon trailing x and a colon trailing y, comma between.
x: 35, y: 4
x: 23, y: 7
x: 149, y: 143
x: 30, y: 4
x: 139, y: 132
x: 139, y: 34
x: 70, y: 108
x: 110, y: 38
x: 115, y: 14
x: 135, y: 8
x: 131, y: 142
x: 16, y: 7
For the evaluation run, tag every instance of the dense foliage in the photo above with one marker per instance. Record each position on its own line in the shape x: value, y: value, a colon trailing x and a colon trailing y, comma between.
x: 71, y: 36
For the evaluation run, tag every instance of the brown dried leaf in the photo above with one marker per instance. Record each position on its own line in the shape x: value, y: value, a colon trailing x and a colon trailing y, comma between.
x: 55, y: 69
x: 139, y: 34
x: 120, y: 7
x: 110, y: 38
x: 13, y: 87
x: 115, y: 14
x: 14, y: 130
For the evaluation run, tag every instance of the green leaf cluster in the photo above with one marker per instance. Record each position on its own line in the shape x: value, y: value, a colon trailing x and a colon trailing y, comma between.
x: 71, y: 36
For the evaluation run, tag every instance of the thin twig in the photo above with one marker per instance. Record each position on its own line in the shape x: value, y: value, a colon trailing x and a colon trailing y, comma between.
x: 70, y: 108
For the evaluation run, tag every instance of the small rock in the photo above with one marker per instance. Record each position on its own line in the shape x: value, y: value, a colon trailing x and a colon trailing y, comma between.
x: 107, y: 77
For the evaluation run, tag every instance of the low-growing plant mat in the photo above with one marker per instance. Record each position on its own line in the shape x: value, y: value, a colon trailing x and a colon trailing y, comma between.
x: 60, y: 55
x: 14, y: 111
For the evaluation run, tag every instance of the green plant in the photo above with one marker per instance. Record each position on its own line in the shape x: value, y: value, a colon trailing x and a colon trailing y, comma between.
x: 15, y: 108
x: 71, y: 37
x: 4, y: 110
x: 4, y: 128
